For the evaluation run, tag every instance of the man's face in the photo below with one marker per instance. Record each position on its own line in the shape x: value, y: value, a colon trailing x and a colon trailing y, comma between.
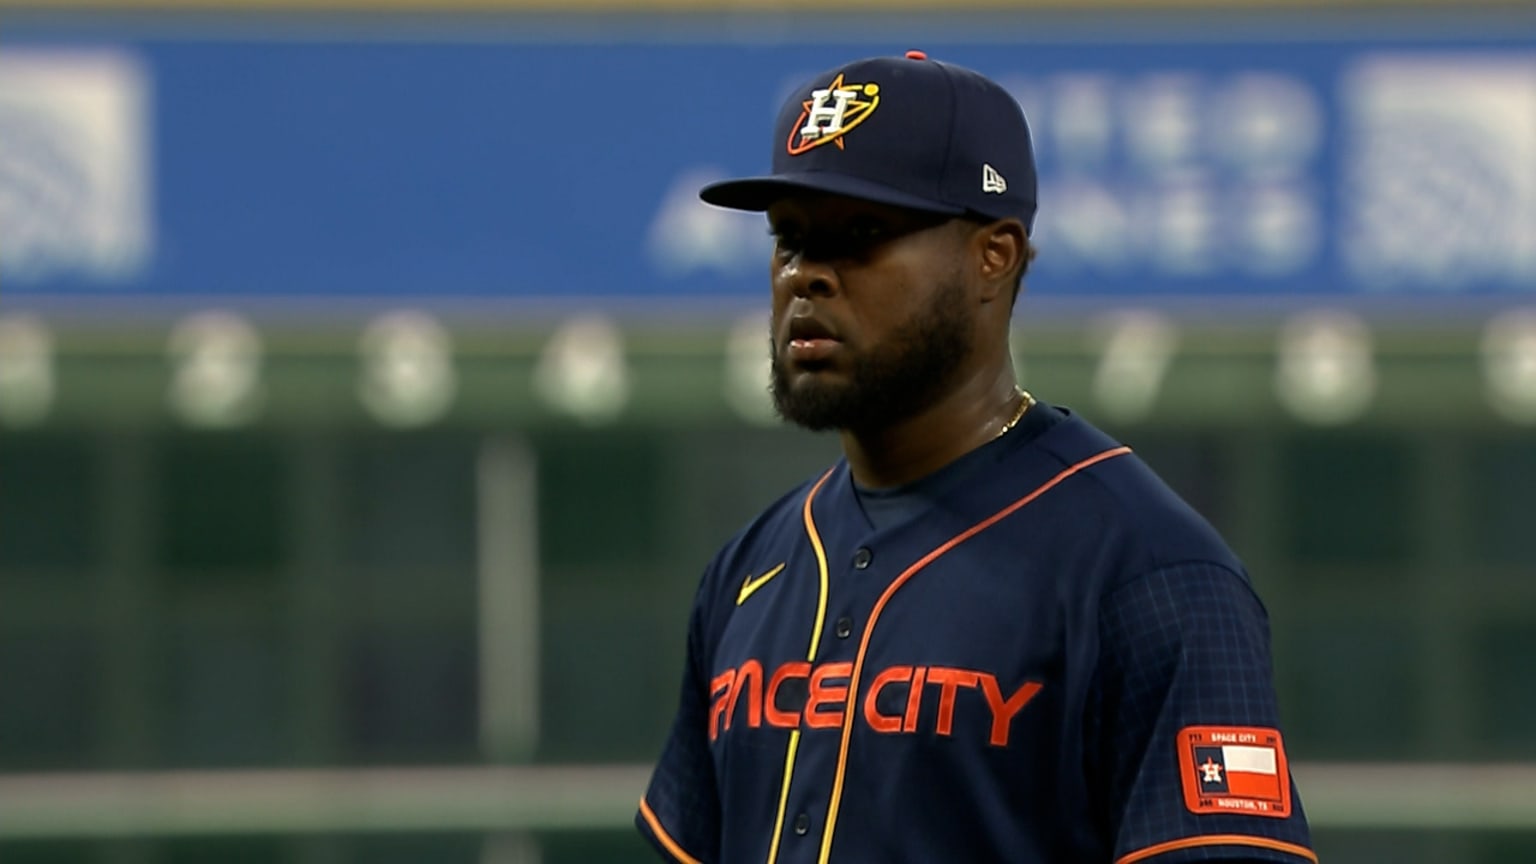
x: 872, y: 316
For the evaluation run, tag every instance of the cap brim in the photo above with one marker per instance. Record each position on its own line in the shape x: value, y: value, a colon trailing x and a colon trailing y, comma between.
x: 759, y: 193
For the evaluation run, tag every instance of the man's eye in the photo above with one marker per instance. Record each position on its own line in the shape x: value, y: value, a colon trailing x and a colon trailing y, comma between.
x: 866, y: 232
x: 786, y: 238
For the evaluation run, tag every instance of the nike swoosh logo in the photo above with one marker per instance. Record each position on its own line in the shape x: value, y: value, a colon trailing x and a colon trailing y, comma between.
x: 752, y: 585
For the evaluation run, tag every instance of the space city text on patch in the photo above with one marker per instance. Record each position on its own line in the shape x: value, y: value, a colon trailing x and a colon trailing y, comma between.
x: 825, y: 691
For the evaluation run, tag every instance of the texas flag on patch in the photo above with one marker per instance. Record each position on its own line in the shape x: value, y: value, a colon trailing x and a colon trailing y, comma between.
x: 1238, y: 770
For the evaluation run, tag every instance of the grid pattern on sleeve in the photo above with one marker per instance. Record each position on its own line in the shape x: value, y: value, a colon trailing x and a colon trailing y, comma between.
x: 1183, y: 645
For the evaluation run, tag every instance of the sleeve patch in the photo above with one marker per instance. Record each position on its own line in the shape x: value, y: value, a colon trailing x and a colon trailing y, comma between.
x: 1238, y: 770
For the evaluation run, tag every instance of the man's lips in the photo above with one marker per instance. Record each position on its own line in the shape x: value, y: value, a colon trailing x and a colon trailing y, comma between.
x: 812, y: 350
x: 810, y: 340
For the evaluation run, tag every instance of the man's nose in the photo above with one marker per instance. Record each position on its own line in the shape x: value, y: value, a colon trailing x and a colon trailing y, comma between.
x: 807, y: 276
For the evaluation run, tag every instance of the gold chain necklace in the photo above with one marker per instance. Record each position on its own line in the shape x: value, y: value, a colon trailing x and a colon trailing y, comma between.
x: 1026, y: 401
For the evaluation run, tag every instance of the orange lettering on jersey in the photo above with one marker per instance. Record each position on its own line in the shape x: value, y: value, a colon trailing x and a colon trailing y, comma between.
x: 914, y: 700
x: 718, y: 690
x: 949, y: 681
x: 823, y: 694
x: 1003, y: 710
x: 827, y: 699
x: 749, y: 678
x: 776, y: 717
x: 877, y: 721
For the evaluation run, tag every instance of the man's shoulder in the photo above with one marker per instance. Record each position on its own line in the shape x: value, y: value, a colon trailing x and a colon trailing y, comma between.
x: 1127, y: 501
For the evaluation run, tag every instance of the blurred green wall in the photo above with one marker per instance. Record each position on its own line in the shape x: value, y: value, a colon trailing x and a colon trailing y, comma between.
x: 301, y: 590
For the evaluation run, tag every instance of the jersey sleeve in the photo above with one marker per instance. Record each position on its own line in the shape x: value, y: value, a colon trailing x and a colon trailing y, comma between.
x: 680, y: 811
x: 1189, y: 748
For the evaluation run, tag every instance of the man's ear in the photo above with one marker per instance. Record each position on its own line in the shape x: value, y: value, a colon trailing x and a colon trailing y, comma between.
x: 1003, y: 251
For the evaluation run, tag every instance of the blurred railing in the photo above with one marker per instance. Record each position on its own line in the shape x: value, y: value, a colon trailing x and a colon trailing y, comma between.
x: 818, y: 6
x: 151, y: 804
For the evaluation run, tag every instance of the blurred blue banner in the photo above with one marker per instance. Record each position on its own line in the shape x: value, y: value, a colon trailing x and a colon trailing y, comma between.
x: 565, y: 169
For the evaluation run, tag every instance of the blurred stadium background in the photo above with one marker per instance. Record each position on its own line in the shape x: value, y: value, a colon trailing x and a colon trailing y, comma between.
x: 373, y: 390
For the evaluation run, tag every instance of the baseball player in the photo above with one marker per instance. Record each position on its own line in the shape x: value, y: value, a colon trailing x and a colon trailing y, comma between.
x: 989, y: 632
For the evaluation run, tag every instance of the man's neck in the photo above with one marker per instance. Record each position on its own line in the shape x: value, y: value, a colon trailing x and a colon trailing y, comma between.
x: 968, y: 416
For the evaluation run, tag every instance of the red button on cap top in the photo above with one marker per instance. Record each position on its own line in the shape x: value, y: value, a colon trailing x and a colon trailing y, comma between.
x: 916, y: 55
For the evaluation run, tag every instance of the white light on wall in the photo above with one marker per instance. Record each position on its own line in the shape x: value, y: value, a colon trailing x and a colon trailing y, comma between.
x: 748, y: 370
x: 1326, y: 373
x: 216, y: 379
x: 408, y: 377
x: 1509, y: 365
x: 27, y: 382
x: 583, y: 372
x: 1138, y: 347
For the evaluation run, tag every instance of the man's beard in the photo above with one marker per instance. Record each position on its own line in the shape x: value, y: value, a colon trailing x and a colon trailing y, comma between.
x: 890, y: 382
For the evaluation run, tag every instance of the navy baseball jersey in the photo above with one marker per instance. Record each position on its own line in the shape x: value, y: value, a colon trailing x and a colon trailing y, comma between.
x: 1040, y: 654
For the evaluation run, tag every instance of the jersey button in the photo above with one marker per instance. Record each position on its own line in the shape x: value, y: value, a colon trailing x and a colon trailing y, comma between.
x: 802, y: 824
x: 844, y: 627
x: 862, y: 558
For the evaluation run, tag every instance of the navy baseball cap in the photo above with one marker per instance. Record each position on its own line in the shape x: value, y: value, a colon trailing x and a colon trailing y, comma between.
x: 908, y: 131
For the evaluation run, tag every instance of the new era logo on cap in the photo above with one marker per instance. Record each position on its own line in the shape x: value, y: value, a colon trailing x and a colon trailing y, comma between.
x: 991, y: 181
x: 909, y: 132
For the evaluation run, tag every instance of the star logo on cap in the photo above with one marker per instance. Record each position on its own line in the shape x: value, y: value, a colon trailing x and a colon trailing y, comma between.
x: 831, y: 113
